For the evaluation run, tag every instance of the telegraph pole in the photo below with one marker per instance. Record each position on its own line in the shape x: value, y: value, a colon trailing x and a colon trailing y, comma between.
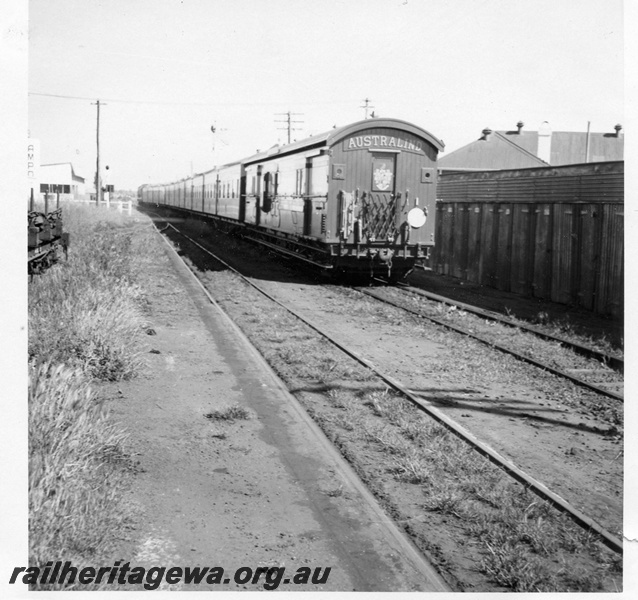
x: 98, y: 178
x: 289, y: 122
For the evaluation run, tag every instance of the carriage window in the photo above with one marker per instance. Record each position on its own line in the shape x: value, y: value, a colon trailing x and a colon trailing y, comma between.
x: 319, y: 176
x: 268, y: 192
x: 299, y: 183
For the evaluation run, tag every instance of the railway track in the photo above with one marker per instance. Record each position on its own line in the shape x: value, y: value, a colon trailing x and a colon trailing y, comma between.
x: 612, y: 361
x: 609, y: 539
x: 603, y: 376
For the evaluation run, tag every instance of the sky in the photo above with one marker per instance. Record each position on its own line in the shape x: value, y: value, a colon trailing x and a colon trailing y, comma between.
x: 167, y: 70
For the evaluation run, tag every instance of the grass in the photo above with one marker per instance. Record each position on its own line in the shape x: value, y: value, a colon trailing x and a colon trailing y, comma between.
x: 231, y: 413
x: 86, y: 318
x: 87, y: 312
x: 527, y: 545
x: 77, y: 467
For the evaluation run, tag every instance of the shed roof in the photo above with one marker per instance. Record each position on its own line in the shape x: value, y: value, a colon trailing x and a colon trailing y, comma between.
x: 496, y: 151
x: 520, y: 149
x: 74, y: 177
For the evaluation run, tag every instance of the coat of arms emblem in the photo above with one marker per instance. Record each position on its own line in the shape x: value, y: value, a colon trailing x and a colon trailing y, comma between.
x: 382, y: 178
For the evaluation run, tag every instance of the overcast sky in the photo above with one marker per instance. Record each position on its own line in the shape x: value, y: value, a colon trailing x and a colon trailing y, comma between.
x: 169, y: 69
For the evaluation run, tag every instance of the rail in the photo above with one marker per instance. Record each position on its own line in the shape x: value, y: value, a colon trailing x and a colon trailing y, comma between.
x: 610, y: 540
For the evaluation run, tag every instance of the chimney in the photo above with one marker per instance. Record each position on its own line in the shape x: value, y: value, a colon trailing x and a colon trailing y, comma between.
x: 519, y: 126
x: 486, y: 133
x: 545, y: 142
x: 618, y: 129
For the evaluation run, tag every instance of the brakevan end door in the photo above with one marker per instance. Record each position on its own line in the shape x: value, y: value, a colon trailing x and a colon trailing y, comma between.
x: 368, y: 205
x: 378, y: 210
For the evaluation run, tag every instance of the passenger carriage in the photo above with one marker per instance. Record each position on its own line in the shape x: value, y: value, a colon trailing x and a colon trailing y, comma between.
x: 356, y: 199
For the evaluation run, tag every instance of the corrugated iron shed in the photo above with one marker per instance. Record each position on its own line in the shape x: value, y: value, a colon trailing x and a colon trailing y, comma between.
x: 518, y: 149
x: 571, y: 147
x: 494, y: 151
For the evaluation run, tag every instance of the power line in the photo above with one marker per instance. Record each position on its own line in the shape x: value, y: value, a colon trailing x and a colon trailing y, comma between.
x: 162, y: 103
x: 121, y: 101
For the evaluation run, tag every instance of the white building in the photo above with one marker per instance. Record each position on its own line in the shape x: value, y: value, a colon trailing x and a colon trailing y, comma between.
x: 52, y: 178
x: 60, y: 177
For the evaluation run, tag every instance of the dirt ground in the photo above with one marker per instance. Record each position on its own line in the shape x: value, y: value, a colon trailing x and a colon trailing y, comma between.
x: 259, y: 492
x: 252, y: 492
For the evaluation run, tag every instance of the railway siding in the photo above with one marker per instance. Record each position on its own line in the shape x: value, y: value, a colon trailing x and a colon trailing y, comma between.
x: 511, y: 408
x: 552, y: 355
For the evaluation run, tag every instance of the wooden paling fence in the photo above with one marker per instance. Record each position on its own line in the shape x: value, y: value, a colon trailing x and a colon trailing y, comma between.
x: 555, y: 233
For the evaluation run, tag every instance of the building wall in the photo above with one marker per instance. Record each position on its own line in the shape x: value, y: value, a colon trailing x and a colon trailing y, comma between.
x: 61, y: 175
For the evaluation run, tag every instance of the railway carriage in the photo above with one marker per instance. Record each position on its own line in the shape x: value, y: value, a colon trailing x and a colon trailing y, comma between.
x: 356, y: 199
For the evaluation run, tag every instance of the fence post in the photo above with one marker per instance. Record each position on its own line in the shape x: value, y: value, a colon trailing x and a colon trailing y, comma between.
x: 32, y: 202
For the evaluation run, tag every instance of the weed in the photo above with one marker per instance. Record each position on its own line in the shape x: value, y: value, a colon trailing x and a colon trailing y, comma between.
x: 85, y: 318
x: 412, y: 469
x: 336, y: 493
x: 231, y: 413
x: 512, y: 567
x: 444, y: 499
x: 88, y: 311
x: 339, y: 398
x: 76, y: 469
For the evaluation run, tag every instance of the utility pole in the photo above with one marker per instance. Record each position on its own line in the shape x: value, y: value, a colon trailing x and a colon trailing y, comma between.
x: 366, y: 106
x: 98, y: 178
x: 289, y: 122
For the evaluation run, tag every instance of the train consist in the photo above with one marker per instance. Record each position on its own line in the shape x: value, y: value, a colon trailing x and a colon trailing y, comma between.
x: 358, y: 199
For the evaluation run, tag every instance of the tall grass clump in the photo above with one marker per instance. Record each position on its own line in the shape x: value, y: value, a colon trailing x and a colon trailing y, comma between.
x: 76, y: 468
x: 86, y: 315
x: 87, y: 311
